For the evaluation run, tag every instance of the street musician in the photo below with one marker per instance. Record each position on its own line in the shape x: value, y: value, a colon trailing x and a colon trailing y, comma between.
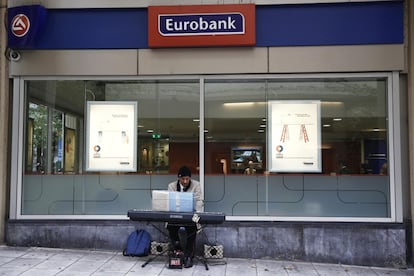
x: 184, y: 235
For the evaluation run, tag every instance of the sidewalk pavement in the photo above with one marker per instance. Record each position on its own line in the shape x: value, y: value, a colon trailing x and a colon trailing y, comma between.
x: 52, y: 261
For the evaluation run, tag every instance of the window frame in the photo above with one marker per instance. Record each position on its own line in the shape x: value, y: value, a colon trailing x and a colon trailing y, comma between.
x: 393, y: 131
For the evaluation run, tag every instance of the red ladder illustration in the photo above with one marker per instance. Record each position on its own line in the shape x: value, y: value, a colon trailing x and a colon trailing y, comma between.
x: 304, y: 133
x: 285, y: 134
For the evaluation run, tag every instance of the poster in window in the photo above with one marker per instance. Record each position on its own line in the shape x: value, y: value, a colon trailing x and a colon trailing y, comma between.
x: 111, y: 131
x: 294, y: 136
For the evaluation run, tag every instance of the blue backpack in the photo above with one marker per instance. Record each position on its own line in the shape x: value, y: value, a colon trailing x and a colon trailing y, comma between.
x: 138, y: 244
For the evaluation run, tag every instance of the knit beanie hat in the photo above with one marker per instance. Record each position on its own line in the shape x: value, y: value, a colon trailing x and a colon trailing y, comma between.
x: 184, y: 171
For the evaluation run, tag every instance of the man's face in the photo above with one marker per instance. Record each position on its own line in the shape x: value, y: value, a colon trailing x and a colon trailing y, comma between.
x: 185, y: 180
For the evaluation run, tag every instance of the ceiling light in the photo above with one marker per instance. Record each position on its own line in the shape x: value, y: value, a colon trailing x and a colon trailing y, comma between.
x: 240, y: 104
x: 326, y: 125
x: 332, y: 103
x: 150, y: 131
x: 375, y: 129
x: 337, y: 119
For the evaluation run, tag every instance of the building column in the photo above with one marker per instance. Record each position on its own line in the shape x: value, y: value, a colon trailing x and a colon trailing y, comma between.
x: 4, y: 124
x: 410, y: 83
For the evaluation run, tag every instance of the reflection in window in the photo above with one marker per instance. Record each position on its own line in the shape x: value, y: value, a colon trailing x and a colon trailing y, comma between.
x: 235, y: 126
x: 44, y: 140
x: 168, y: 137
x: 36, y: 157
x: 353, y: 119
x: 354, y: 149
x: 354, y: 181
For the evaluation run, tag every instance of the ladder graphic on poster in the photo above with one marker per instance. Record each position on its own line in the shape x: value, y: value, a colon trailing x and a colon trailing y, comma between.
x: 304, y: 133
x: 285, y: 133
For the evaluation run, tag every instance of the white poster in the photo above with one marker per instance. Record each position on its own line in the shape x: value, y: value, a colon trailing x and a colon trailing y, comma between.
x: 294, y: 136
x: 111, y: 131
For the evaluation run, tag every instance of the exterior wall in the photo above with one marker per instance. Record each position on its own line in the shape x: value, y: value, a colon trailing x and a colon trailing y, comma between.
x: 410, y: 81
x: 60, y: 4
x: 373, y: 244
x: 4, y: 124
x: 348, y: 243
x: 362, y: 58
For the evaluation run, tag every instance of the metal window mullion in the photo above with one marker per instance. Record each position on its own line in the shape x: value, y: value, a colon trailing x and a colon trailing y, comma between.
x: 17, y: 149
x: 201, y: 136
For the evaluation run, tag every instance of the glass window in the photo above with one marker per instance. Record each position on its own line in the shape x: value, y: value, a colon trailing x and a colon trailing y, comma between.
x: 55, y: 182
x: 235, y: 126
x: 354, y: 149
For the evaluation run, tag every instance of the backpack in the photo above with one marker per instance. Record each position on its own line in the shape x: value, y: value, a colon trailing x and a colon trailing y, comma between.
x: 138, y: 244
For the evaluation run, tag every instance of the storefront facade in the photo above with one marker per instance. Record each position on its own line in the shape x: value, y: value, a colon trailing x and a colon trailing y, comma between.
x: 294, y: 122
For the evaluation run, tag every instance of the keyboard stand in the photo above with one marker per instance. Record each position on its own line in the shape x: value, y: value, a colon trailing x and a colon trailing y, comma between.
x: 178, y: 218
x: 204, y: 260
x: 201, y: 258
x: 156, y: 256
x: 162, y: 253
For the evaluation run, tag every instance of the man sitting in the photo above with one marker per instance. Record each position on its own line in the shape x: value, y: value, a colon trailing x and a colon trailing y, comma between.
x: 184, y: 235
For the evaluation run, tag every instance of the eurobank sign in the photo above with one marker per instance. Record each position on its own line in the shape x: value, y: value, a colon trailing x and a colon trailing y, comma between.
x: 201, y: 25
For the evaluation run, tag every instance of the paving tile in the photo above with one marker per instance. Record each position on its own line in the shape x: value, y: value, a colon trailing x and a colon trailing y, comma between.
x: 67, y: 255
x: 40, y: 272
x: 9, y: 251
x: 22, y: 263
x: 54, y: 264
x: 74, y: 273
x: 299, y: 268
x: 389, y: 271
x: 215, y: 267
x: 330, y: 269
x: 153, y: 268
x: 12, y: 271
x: 115, y: 265
x: 41, y: 253
x: 111, y: 274
x: 84, y: 266
x: 270, y: 267
x: 98, y: 256
x: 200, y: 270
x: 4, y: 260
x: 358, y: 270
x: 134, y: 273
x: 176, y: 272
x: 241, y: 267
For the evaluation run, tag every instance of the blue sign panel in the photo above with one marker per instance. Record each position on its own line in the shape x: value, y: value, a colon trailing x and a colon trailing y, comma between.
x: 330, y: 24
x: 25, y: 25
x: 350, y: 23
x: 201, y: 24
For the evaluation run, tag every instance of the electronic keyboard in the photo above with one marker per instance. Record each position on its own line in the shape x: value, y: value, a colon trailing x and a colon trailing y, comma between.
x: 177, y: 217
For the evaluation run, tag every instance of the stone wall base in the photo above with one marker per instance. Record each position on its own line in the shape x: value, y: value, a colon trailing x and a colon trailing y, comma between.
x: 367, y: 244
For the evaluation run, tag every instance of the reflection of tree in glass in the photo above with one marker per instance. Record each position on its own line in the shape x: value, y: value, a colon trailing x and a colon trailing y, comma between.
x: 39, y: 115
x: 57, y: 141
